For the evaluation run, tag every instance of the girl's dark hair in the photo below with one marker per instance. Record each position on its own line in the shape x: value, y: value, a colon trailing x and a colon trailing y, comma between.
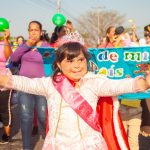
x: 54, y: 36
x: 68, y: 50
x: 119, y: 30
x: 146, y: 28
x: 44, y: 36
x: 37, y: 22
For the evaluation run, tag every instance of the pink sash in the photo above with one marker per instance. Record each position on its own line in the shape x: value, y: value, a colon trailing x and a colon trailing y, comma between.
x: 77, y: 102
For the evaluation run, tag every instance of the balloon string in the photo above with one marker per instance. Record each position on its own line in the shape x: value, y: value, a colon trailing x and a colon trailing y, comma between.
x: 13, y: 45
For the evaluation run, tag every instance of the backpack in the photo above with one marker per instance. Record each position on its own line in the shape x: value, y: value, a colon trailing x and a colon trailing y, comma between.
x: 14, y: 67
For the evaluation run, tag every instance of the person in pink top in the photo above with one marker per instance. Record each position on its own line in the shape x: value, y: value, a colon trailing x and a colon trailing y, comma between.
x: 116, y: 37
x: 122, y: 38
x: 56, y: 36
x: 5, y: 110
x: 72, y: 94
x: 109, y: 42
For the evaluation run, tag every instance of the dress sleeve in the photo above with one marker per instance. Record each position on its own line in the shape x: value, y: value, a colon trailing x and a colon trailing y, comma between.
x: 110, y: 87
x: 38, y: 86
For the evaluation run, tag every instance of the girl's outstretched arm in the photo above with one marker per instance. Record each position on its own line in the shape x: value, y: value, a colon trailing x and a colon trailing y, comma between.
x: 104, y: 86
x: 38, y: 86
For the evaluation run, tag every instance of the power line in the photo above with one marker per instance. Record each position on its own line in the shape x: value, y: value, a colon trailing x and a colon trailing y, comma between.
x: 54, y: 5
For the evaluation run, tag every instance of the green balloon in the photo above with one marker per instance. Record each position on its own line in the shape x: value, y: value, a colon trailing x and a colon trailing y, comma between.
x: 58, y: 19
x: 4, y: 24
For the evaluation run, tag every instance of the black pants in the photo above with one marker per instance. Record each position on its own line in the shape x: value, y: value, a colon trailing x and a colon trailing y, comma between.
x: 144, y: 142
x: 5, y: 110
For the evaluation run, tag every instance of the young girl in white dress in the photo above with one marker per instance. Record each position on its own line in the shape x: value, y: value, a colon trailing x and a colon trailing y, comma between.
x: 72, y: 94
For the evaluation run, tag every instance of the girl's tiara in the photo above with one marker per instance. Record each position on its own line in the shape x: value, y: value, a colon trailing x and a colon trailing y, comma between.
x: 71, y: 37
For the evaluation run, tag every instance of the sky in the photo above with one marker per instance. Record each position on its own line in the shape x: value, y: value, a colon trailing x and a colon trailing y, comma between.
x: 21, y: 12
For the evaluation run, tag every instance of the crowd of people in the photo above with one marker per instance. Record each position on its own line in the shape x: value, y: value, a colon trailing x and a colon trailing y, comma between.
x: 133, y: 113
x: 70, y: 104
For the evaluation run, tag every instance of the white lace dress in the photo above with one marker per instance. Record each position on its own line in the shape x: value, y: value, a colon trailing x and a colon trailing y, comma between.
x: 67, y: 131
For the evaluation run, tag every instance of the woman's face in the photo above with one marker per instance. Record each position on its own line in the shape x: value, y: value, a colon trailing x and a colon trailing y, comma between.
x: 62, y: 32
x: 74, y: 69
x: 35, y: 32
x: 20, y: 41
x: 111, y: 33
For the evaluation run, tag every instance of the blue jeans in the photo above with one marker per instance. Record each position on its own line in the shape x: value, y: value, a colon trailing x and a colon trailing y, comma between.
x: 27, y: 103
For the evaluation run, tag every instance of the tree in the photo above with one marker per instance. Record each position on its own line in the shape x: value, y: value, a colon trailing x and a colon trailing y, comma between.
x: 93, y: 24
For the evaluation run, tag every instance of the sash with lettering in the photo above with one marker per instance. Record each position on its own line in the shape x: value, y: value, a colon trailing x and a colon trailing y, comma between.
x: 77, y: 102
x: 101, y: 119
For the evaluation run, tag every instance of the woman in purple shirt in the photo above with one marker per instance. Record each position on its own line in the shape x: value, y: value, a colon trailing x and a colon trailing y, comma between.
x: 31, y: 66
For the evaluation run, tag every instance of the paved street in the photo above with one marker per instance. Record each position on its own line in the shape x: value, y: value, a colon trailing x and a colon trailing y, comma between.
x: 16, y: 142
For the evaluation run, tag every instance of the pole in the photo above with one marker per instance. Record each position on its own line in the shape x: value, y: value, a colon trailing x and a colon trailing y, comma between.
x: 58, y: 5
x: 98, y: 41
x: 98, y: 21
